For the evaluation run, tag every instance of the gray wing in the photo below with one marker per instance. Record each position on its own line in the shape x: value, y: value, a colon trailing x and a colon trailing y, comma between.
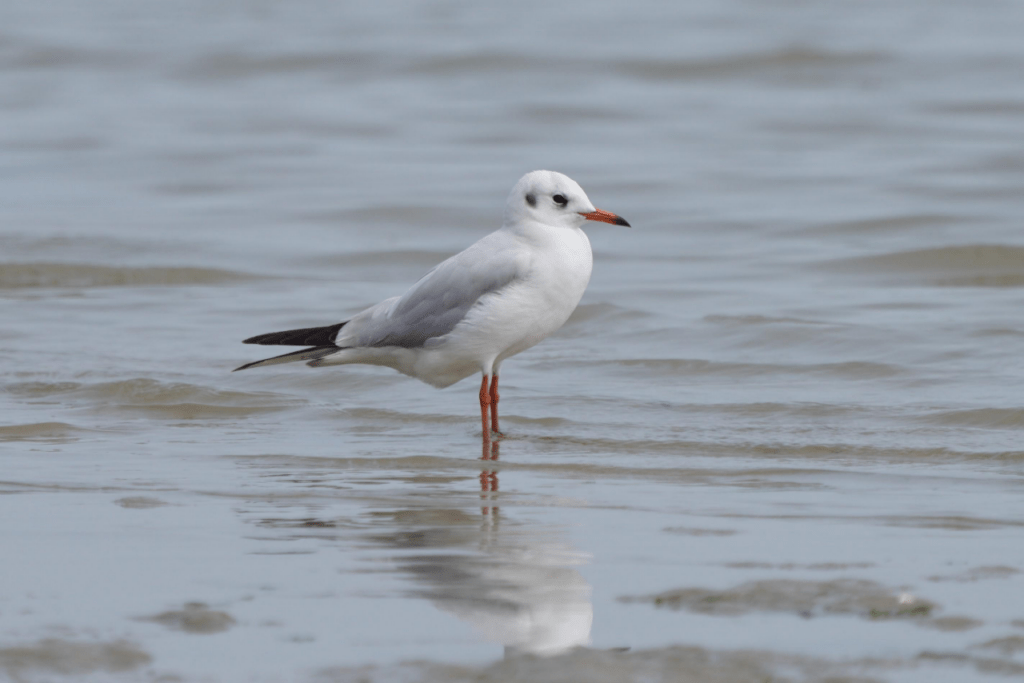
x: 441, y: 299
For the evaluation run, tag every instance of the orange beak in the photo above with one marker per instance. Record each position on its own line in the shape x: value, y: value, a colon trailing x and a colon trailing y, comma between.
x: 605, y: 217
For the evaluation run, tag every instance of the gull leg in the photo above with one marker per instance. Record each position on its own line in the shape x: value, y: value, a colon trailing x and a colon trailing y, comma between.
x: 494, y: 405
x: 485, y: 403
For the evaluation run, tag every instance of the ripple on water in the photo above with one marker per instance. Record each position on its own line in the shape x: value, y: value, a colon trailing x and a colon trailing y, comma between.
x: 883, y: 225
x: 674, y: 663
x: 1010, y: 645
x: 972, y: 265
x: 587, y: 317
x: 744, y: 320
x: 985, y: 418
x: 193, y: 617
x: 174, y: 400
x: 140, y: 502
x: 39, y: 431
x: 951, y: 522
x: 786, y: 62
x: 235, y: 65
x: 384, y: 266
x: 40, y: 389
x: 69, y: 658
x: 860, y: 597
x: 71, y: 275
x: 424, y: 216
x: 978, y: 574
x: 819, y: 452
x: 790, y: 566
x: 671, y: 369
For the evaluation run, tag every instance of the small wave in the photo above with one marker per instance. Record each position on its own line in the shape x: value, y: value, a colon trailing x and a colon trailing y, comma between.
x: 685, y: 367
x: 406, y: 463
x: 57, y: 658
x: 696, y: 531
x: 194, y: 617
x: 980, y: 107
x: 194, y: 188
x: 394, y: 417
x: 397, y: 417
x: 406, y: 215
x: 760, y: 320
x: 551, y: 114
x: 586, y: 316
x: 768, y: 408
x: 790, y: 566
x: 414, y: 260
x: 20, y: 55
x: 990, y: 418
x: 786, y: 60
x: 141, y: 391
x: 41, y: 431
x: 197, y: 411
x: 977, y: 265
x: 227, y: 66
x: 40, y: 389
x: 982, y: 573
x: 884, y: 224
x: 24, y: 275
x: 867, y: 599
x: 94, y: 247
x: 63, y: 143
x: 951, y: 522
x: 160, y: 399
x: 682, y: 663
x: 476, y: 63
x: 814, y: 452
x: 140, y: 502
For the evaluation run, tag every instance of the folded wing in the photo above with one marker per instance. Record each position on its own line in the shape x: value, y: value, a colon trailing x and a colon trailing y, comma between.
x: 428, y: 311
x: 440, y: 300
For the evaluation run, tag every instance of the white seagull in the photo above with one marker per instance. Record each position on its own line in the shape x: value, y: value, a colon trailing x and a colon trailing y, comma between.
x: 502, y: 295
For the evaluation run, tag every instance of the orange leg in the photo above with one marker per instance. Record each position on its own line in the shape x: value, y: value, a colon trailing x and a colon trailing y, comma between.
x: 485, y: 402
x: 494, y: 405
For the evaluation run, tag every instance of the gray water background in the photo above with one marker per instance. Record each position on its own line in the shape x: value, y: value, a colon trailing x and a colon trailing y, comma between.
x: 781, y: 436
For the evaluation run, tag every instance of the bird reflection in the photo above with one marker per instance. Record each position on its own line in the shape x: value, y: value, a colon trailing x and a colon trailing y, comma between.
x: 489, y: 479
x: 516, y: 583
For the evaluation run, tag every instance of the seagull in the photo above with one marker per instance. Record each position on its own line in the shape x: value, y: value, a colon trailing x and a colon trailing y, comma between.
x: 499, y: 297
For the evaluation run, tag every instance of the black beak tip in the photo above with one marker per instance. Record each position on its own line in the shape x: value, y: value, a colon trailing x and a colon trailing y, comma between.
x: 619, y: 220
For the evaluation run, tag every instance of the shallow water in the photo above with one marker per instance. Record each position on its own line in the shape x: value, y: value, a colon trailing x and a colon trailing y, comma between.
x: 780, y: 438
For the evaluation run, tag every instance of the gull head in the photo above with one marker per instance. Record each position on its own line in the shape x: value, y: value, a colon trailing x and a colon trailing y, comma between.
x: 553, y: 199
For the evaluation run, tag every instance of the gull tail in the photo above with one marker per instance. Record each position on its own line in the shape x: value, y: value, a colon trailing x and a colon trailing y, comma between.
x: 320, y: 339
x: 314, y: 353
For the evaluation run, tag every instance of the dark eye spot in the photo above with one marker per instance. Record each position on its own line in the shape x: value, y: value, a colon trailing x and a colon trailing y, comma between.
x: 531, y: 200
x: 560, y: 199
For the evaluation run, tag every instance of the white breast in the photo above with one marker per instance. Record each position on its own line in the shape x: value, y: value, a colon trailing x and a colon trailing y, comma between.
x: 518, y: 316
x: 539, y: 303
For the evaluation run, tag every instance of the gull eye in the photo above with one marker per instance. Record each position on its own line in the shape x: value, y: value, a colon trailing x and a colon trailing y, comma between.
x: 560, y: 199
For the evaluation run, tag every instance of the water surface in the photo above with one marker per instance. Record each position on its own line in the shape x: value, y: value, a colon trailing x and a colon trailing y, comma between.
x: 780, y: 438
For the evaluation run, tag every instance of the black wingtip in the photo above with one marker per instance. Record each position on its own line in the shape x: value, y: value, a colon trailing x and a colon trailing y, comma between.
x: 307, y: 336
x: 619, y: 220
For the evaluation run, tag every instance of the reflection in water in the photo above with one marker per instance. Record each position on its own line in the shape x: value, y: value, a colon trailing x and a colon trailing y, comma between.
x: 489, y: 479
x: 515, y: 584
